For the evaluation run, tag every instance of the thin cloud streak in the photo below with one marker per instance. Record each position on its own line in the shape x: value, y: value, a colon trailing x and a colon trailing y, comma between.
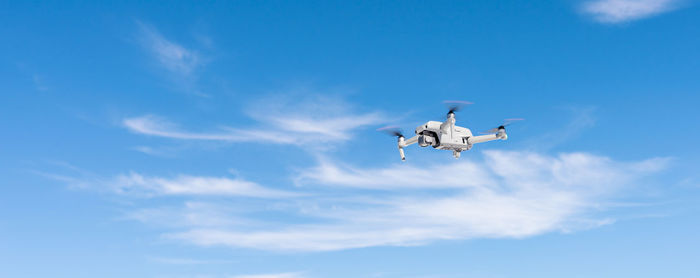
x: 162, y: 152
x: 292, y: 131
x: 185, y: 261
x: 274, y: 275
x: 582, y: 118
x: 193, y: 214
x: 296, y: 127
x: 170, y: 55
x: 157, y: 126
x: 463, y: 174
x: 134, y: 183
x: 618, y: 11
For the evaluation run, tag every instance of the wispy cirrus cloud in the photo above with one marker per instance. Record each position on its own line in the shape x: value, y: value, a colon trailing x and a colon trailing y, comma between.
x: 618, y: 11
x: 582, y: 118
x: 320, y: 120
x: 185, y: 261
x: 519, y: 194
x: 172, y: 56
x: 134, y: 184
x: 158, y: 126
x: 152, y: 151
x: 464, y: 174
x: 138, y: 184
x: 272, y: 275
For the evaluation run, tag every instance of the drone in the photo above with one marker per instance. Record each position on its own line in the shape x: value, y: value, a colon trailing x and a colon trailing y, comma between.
x: 446, y: 135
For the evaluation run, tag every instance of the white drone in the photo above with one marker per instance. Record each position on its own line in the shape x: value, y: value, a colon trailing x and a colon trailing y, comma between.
x: 446, y: 135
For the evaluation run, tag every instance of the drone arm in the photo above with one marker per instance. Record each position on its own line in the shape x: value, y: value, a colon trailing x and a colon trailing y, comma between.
x: 410, y: 141
x: 485, y: 138
x: 403, y: 143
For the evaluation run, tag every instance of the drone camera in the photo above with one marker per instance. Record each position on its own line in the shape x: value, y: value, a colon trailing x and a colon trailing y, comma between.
x: 426, y: 140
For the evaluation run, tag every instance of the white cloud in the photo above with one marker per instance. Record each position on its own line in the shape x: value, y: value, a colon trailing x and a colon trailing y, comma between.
x: 299, y: 123
x: 193, y: 214
x: 170, y: 55
x: 463, y: 174
x: 186, y: 261
x: 326, y: 118
x: 275, y: 275
x: 194, y: 185
x: 616, y: 11
x: 583, y: 118
x: 185, y: 185
x: 499, y: 194
x: 518, y: 194
x: 162, y: 152
x: 157, y: 126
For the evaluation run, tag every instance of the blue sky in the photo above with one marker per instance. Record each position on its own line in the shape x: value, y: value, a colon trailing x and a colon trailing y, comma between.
x: 238, y: 139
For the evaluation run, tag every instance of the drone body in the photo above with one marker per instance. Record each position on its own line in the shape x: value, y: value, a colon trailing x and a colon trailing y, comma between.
x: 448, y: 136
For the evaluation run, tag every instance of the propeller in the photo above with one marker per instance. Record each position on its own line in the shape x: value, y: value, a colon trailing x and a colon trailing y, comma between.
x: 391, y: 130
x: 505, y: 123
x: 456, y: 105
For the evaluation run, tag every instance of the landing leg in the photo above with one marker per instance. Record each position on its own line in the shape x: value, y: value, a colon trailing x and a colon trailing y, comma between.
x: 456, y: 154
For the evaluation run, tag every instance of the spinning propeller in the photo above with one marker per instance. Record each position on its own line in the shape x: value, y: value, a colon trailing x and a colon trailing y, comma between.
x: 505, y: 123
x: 456, y: 105
x: 391, y: 130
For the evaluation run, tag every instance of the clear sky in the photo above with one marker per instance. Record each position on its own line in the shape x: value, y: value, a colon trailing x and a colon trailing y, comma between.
x: 238, y: 139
